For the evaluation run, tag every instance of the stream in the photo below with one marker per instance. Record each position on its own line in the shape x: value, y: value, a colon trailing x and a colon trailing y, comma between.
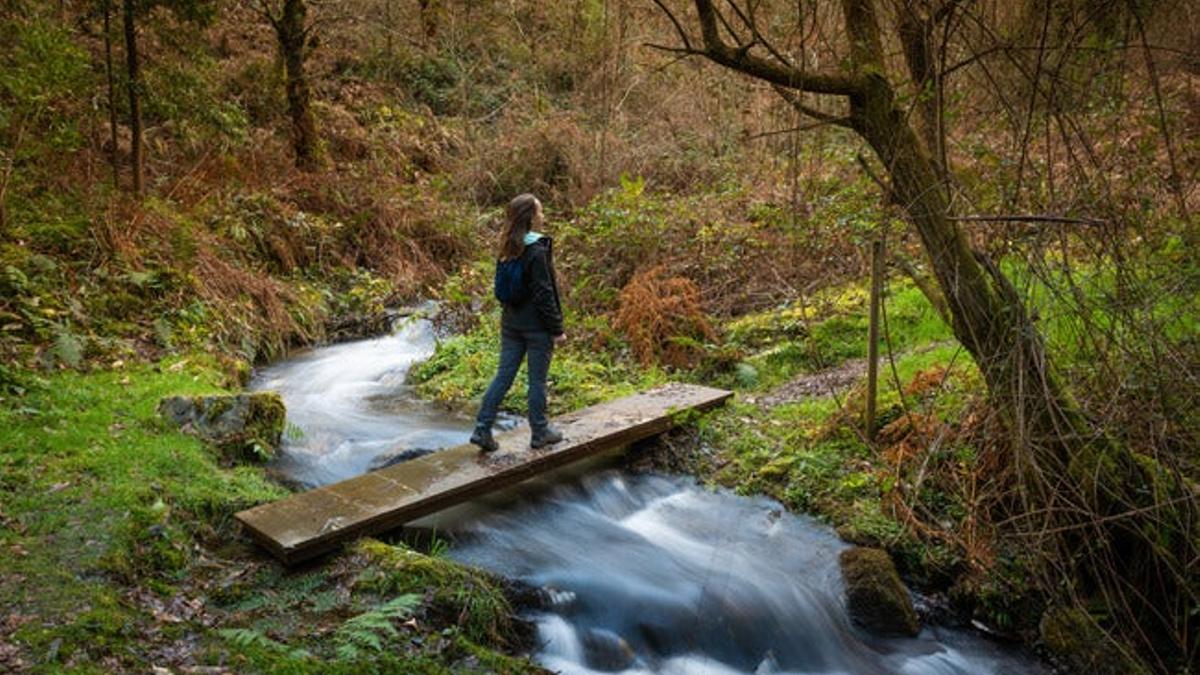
x: 641, y: 573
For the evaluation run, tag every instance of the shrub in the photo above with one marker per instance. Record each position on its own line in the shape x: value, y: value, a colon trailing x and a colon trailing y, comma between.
x: 546, y: 155
x: 663, y: 319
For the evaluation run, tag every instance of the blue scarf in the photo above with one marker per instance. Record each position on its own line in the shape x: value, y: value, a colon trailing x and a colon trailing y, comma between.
x: 531, y: 237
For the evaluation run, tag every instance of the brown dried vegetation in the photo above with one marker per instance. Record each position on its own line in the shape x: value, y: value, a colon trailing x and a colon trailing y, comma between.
x: 664, y: 319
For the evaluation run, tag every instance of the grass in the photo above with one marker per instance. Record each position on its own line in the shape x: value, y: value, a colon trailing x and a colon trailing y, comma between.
x: 120, y: 550
x: 830, y: 327
x: 462, y: 367
x: 810, y: 453
x: 98, y: 492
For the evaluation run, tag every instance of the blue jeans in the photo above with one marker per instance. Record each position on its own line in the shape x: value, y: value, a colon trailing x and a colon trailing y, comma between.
x: 514, y: 345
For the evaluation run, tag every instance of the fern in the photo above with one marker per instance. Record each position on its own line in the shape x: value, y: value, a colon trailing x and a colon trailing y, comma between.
x: 370, y: 630
x: 292, y: 432
x: 248, y: 637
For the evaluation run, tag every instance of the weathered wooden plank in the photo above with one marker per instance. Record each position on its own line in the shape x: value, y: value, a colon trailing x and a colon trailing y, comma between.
x: 310, y: 523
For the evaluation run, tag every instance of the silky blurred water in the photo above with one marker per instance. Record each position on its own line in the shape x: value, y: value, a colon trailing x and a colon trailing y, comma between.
x: 644, y: 573
x: 348, y: 405
x: 654, y: 574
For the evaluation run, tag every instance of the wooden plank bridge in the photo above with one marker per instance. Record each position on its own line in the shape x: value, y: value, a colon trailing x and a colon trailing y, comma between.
x: 310, y: 523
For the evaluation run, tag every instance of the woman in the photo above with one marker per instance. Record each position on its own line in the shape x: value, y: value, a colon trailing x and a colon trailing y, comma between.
x: 532, y: 323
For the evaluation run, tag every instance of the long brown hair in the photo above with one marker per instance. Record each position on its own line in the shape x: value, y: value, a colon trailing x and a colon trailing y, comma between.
x: 518, y: 220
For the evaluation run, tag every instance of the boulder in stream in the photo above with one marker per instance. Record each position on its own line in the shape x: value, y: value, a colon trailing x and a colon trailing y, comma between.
x: 875, y: 597
x: 244, y: 427
x: 606, y: 651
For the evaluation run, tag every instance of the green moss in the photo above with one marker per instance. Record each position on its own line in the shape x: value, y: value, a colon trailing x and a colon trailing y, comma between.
x: 1076, y: 638
x: 875, y: 597
x: 279, y: 620
x: 457, y: 591
x: 265, y: 421
x: 484, y: 660
x: 147, y: 544
x: 99, y: 494
x: 829, y: 328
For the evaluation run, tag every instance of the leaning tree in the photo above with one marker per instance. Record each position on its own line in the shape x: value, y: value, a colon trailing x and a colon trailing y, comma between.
x: 986, y: 312
x: 1137, y: 527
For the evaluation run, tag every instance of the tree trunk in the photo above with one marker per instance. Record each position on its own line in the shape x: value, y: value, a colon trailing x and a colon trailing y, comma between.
x: 293, y: 37
x: 135, y: 106
x: 914, y: 31
x: 429, y: 18
x: 114, y: 158
x: 987, y: 315
x: 1108, y: 504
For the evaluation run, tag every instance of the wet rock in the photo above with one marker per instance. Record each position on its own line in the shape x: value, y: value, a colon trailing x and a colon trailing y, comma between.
x: 605, y: 650
x: 937, y: 609
x: 244, y: 427
x: 1073, y: 637
x: 526, y: 596
x: 360, y: 326
x: 400, y: 457
x: 875, y: 597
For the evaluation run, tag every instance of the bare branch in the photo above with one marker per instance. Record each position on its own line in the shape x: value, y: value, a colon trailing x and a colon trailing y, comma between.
x: 803, y: 127
x: 793, y: 99
x: 716, y: 50
x: 742, y: 46
x: 263, y: 8
x: 685, y: 51
x: 748, y: 19
x: 678, y: 26
x: 1032, y: 218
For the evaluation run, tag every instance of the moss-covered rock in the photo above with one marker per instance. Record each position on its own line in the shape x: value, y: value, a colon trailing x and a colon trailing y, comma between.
x: 1075, y: 638
x: 245, y: 427
x: 875, y: 597
x: 457, y: 593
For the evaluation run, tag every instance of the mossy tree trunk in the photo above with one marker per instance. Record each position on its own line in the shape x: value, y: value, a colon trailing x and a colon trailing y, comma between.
x: 1123, y: 525
x: 114, y: 158
x: 986, y: 313
x: 915, y: 30
x: 293, y: 32
x: 134, y: 88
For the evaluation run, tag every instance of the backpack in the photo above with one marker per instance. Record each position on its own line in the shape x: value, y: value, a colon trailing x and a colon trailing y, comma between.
x: 510, y: 281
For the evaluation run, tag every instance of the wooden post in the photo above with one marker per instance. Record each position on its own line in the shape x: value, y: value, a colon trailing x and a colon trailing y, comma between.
x: 873, y: 334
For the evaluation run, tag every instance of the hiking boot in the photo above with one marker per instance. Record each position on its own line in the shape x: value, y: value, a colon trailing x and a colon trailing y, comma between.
x: 483, y: 438
x: 547, y: 436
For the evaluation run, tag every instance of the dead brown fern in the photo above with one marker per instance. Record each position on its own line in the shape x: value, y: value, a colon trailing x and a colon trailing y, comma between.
x: 663, y: 318
x: 248, y: 304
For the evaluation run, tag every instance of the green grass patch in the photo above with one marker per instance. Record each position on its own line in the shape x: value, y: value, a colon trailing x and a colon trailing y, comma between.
x: 462, y: 367
x: 117, y: 541
x: 828, y: 328
x: 100, y: 494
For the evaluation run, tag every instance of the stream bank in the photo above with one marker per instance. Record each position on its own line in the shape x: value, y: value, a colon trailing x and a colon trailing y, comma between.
x: 629, y: 566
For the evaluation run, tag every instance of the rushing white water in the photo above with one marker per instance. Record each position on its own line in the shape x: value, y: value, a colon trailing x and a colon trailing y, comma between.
x: 654, y: 574
x: 348, y: 405
x: 642, y: 574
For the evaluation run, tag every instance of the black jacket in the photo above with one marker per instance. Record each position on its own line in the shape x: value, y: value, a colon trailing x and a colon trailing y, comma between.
x: 539, y: 309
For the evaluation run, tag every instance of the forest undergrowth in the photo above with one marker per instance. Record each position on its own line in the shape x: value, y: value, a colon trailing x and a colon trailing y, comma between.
x: 699, y: 237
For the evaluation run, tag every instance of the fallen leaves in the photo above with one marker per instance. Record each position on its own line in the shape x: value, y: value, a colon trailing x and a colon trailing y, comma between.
x: 10, y: 658
x: 178, y: 609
